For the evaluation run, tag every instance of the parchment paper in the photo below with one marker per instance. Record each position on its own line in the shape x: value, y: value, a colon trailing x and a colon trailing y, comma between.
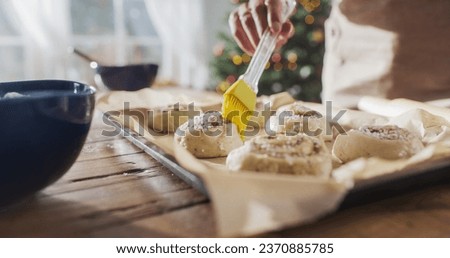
x: 248, y: 203
x: 395, y: 107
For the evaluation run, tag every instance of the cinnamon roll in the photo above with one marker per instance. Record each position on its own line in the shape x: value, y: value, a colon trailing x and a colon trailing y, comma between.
x: 296, y: 118
x: 208, y: 136
x: 167, y: 119
x: 387, y: 142
x: 298, y: 154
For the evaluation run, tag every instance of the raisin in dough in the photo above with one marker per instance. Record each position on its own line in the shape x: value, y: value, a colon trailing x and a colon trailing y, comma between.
x: 387, y: 142
x: 208, y: 136
x: 296, y: 118
x: 298, y: 154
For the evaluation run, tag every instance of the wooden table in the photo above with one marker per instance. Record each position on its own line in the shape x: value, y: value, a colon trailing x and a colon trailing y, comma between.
x: 116, y: 190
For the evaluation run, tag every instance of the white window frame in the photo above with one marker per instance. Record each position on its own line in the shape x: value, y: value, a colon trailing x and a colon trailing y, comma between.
x: 121, y: 40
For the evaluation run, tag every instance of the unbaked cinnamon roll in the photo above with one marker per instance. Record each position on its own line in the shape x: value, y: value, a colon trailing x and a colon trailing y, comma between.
x: 208, y: 136
x: 296, y: 118
x: 387, y: 142
x: 299, y: 155
x: 169, y: 118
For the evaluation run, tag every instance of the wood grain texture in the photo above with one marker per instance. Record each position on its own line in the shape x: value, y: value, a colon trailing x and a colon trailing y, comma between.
x: 116, y: 190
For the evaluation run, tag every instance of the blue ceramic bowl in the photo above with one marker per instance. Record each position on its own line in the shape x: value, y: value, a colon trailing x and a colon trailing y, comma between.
x: 43, y: 126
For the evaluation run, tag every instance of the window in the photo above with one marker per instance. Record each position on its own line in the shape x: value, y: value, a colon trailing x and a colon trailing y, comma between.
x: 115, y: 32
x: 11, y: 49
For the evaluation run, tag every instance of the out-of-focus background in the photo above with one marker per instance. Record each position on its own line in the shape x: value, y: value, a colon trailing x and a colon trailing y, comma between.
x: 189, y: 39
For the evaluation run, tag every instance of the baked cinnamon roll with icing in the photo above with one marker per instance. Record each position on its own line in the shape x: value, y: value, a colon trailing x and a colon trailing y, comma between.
x: 298, y: 154
x: 387, y: 142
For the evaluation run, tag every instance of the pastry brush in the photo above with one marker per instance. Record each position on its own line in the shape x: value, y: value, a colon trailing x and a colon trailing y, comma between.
x: 240, y: 99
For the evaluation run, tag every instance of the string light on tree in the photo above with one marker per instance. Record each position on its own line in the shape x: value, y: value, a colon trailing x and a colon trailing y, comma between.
x: 318, y: 36
x: 292, y: 57
x: 309, y: 19
x: 310, y: 5
x: 237, y: 60
x: 277, y: 67
x: 246, y: 58
x: 230, y: 79
x: 292, y: 66
x: 276, y: 58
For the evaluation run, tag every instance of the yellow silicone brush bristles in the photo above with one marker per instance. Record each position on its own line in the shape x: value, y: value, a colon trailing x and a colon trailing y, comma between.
x: 239, y: 103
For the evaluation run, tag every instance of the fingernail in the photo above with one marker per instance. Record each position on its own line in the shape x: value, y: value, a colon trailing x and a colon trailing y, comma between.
x: 276, y: 27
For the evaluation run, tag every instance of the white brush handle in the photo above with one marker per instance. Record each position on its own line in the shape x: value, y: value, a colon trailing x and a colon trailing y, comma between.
x: 265, y: 49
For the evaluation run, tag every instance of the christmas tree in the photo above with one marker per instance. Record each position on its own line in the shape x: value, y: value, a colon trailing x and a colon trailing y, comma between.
x: 296, y: 67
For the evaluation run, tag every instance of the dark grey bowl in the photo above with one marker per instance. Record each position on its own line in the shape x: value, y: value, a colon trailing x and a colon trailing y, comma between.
x: 128, y: 77
x: 41, y: 133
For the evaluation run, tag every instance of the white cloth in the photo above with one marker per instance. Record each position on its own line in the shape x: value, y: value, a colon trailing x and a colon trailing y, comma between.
x: 387, y: 48
x: 181, y: 27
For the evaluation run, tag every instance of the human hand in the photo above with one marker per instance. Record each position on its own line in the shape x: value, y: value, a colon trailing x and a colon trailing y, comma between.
x: 249, y: 21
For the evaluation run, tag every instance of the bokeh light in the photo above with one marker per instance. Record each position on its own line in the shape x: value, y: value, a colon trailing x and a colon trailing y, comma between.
x: 277, y: 66
x: 317, y: 36
x: 309, y: 19
x: 237, y: 59
x: 276, y: 58
x: 292, y: 66
x: 310, y: 5
x: 231, y: 79
x: 305, y: 72
x: 222, y: 87
x: 292, y: 57
x: 277, y: 87
x: 246, y: 58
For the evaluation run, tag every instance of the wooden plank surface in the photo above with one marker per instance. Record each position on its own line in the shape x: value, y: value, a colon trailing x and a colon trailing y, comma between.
x: 116, y: 190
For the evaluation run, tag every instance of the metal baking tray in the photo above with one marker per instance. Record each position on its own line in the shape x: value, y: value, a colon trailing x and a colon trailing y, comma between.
x: 377, y: 188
